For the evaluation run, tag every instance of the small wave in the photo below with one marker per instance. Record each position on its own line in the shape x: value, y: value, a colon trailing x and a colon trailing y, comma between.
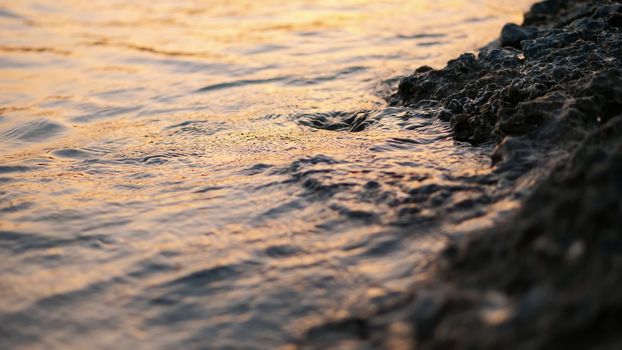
x: 282, y: 251
x: 104, y: 113
x: 28, y: 49
x: 390, y: 118
x: 33, y: 131
x: 256, y: 169
x: 201, y: 282
x: 239, y: 83
x: 431, y: 43
x: 335, y: 121
x: 421, y: 36
x: 18, y: 242
x: 319, y: 79
x: 196, y: 127
x: 7, y: 169
x: 8, y: 14
x: 76, y: 153
x: 288, y: 80
x: 260, y: 49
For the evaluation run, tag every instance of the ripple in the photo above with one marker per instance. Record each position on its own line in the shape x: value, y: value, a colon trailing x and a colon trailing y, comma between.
x: 75, y: 153
x: 8, y: 14
x: 324, y: 78
x: 282, y: 251
x: 27, y: 49
x: 334, y: 121
x: 105, y: 113
x: 422, y: 36
x: 7, y: 169
x: 390, y: 118
x: 33, y: 131
x: 257, y: 169
x: 19, y: 242
x: 14, y: 208
x: 430, y: 43
x: 261, y: 49
x: 197, y: 127
x: 239, y: 83
x: 203, y: 281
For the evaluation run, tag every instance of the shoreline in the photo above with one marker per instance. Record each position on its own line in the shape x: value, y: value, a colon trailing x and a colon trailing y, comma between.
x: 548, y: 94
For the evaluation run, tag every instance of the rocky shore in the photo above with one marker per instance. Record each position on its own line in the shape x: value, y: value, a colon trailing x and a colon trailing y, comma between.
x: 548, y: 93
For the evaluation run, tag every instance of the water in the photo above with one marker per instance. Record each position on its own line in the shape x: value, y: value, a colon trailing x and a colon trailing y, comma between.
x: 186, y: 174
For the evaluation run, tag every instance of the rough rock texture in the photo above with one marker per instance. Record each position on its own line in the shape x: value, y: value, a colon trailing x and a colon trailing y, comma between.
x: 555, y: 72
x: 550, y: 277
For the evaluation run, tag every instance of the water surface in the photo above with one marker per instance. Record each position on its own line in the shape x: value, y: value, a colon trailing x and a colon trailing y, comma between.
x: 214, y: 174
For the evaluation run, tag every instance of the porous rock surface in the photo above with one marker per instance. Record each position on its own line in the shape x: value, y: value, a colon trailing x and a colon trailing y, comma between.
x: 556, y: 74
x: 550, y: 277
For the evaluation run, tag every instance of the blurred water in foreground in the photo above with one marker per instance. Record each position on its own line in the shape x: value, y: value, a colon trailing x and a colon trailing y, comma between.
x: 185, y: 174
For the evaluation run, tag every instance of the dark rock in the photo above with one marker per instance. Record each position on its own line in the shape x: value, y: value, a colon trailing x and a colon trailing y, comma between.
x: 501, y: 91
x: 588, y: 28
x: 615, y: 20
x: 541, y: 11
x: 512, y: 35
x: 444, y: 115
x: 558, y: 260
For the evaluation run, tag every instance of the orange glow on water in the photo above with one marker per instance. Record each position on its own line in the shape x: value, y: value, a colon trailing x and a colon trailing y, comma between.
x: 142, y: 142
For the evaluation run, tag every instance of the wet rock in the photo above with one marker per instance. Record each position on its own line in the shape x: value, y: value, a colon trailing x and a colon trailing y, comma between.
x: 589, y: 28
x: 615, y: 20
x: 507, y: 89
x: 560, y: 257
x: 512, y: 35
x: 444, y: 115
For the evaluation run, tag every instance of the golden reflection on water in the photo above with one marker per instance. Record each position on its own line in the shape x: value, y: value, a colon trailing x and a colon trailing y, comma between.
x: 146, y: 141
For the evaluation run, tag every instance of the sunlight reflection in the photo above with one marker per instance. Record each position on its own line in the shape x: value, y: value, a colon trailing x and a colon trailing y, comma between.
x: 189, y: 163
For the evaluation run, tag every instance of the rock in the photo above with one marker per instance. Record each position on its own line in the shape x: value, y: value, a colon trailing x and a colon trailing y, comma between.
x: 512, y: 35
x: 615, y: 20
x: 495, y: 94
